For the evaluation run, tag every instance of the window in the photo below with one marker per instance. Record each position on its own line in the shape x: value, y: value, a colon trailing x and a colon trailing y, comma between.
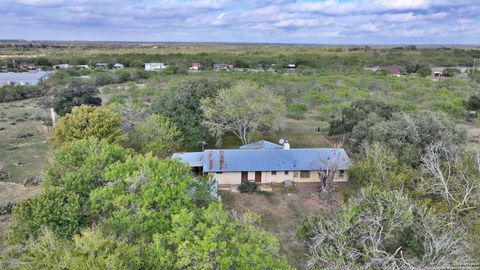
x: 286, y: 172
x: 304, y: 174
x: 274, y: 173
x: 341, y: 173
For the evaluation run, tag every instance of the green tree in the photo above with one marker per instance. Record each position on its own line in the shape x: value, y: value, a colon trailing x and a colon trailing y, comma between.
x: 78, y: 166
x: 211, y: 239
x: 451, y: 72
x: 75, y: 93
x: 424, y: 71
x: 156, y: 134
x: 244, y: 109
x: 86, y: 121
x: 182, y: 105
x: 473, y: 103
x: 55, y: 209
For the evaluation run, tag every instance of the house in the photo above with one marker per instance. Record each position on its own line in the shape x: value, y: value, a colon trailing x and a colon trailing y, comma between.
x: 266, y: 163
x: 101, y: 66
x: 391, y: 69
x: 195, y: 66
x: 155, y: 66
x: 82, y: 66
x: 28, y: 66
x: 222, y: 67
x: 291, y: 66
x: 118, y: 66
x: 61, y: 66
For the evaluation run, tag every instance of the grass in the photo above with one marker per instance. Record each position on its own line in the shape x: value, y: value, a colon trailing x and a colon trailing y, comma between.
x: 23, y: 140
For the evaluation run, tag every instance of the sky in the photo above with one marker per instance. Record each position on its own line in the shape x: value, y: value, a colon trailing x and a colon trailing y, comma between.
x: 266, y: 21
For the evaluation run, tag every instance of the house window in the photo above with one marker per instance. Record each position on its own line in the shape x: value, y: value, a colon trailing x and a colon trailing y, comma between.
x: 286, y: 172
x: 219, y: 172
x: 304, y: 174
x: 274, y: 173
x: 341, y: 173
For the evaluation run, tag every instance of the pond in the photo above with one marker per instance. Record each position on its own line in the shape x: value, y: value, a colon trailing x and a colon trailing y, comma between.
x: 23, y: 77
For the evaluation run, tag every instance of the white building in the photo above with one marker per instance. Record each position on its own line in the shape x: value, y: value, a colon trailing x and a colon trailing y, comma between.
x: 155, y: 66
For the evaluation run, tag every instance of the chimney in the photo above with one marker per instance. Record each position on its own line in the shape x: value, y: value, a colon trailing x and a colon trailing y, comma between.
x: 286, y: 145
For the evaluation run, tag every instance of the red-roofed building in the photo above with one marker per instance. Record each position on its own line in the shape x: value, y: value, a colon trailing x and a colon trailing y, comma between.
x: 195, y: 66
x: 392, y: 69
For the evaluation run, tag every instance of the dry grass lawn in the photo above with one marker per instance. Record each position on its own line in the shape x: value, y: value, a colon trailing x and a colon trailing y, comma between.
x: 281, y: 213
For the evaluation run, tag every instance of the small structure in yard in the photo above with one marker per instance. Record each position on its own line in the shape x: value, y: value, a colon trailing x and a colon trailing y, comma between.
x: 291, y: 66
x: 391, y: 69
x: 101, y: 66
x: 218, y: 67
x: 267, y: 163
x: 154, y: 66
x: 118, y: 66
x: 195, y: 66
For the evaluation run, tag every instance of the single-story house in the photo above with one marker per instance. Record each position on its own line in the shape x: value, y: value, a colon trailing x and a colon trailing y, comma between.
x: 118, y: 66
x: 101, y: 66
x: 61, y: 66
x: 155, y: 66
x: 291, y: 66
x: 82, y: 66
x: 266, y: 163
x: 223, y: 66
x: 391, y: 69
x: 195, y: 66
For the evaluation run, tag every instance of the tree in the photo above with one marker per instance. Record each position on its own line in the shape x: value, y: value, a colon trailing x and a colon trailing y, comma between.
x: 157, y: 134
x: 86, y: 121
x: 182, y: 105
x: 382, y: 230
x: 453, y: 173
x: 242, y: 110
x: 327, y: 176
x: 451, y: 72
x: 358, y: 112
x: 211, y: 239
x: 424, y: 71
x: 55, y: 209
x: 473, y: 103
x: 78, y: 166
x: 75, y: 93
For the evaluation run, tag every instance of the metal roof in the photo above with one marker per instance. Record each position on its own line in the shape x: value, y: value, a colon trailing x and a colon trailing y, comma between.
x: 261, y: 145
x: 233, y: 160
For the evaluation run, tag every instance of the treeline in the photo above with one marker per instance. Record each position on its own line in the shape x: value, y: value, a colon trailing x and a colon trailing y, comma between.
x: 17, y: 92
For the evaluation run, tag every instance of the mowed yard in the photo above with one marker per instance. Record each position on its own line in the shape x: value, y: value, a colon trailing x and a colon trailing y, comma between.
x: 24, y: 152
x: 282, y: 211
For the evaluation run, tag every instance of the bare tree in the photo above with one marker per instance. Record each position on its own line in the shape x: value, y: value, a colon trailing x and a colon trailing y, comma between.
x: 454, y: 174
x: 328, y: 175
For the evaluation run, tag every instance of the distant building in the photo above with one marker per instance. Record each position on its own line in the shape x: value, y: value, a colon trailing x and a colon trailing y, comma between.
x: 82, y: 66
x: 101, y: 66
x: 61, y: 66
x: 118, y: 66
x: 391, y: 69
x: 28, y: 66
x: 155, y: 66
x: 266, y: 163
x: 223, y: 67
x: 291, y: 66
x: 195, y: 66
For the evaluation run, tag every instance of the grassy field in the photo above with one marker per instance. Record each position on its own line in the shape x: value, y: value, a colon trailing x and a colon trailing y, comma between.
x: 23, y: 140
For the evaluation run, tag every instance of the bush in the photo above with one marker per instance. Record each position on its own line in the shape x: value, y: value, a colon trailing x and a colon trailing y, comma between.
x: 247, y: 187
x: 55, y: 209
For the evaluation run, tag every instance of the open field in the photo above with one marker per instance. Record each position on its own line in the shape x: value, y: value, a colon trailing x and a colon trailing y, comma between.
x: 23, y: 140
x: 281, y: 213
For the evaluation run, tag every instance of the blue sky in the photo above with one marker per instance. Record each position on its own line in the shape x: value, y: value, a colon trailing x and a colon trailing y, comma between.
x: 302, y: 21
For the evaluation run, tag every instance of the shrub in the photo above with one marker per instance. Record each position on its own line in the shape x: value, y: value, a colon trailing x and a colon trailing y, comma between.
x: 247, y: 187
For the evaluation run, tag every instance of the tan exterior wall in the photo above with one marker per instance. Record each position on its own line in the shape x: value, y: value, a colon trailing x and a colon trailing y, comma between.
x: 235, y: 178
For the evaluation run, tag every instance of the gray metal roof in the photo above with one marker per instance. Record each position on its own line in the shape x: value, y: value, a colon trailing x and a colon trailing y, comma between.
x: 233, y: 160
x: 261, y: 145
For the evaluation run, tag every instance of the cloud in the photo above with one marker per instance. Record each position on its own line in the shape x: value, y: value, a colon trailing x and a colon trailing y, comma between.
x: 335, y: 21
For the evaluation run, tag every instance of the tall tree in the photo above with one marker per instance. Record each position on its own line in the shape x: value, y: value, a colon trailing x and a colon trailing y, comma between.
x: 242, y: 110
x: 87, y: 121
x: 75, y: 93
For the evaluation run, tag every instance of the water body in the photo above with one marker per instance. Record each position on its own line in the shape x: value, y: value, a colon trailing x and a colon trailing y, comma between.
x: 32, y: 78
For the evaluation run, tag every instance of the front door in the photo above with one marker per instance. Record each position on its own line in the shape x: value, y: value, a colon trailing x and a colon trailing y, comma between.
x: 244, y: 177
x: 258, y: 177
